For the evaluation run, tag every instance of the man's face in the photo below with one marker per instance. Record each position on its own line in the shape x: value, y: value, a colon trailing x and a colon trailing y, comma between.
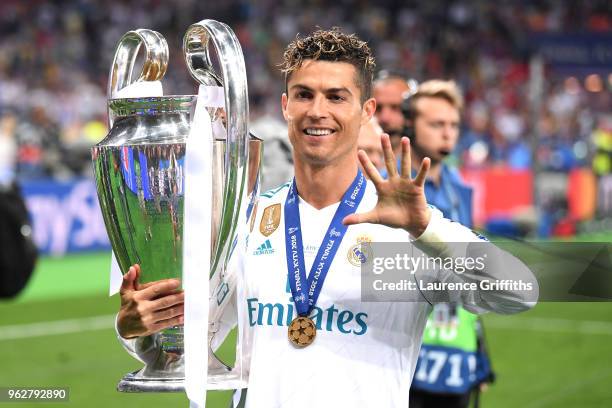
x: 369, y: 141
x: 436, y: 126
x: 323, y: 112
x: 389, y: 96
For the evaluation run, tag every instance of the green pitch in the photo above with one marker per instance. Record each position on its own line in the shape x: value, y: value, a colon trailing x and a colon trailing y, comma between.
x: 557, y: 355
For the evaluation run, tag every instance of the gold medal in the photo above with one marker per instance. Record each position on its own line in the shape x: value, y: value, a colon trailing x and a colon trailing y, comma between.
x: 302, y: 331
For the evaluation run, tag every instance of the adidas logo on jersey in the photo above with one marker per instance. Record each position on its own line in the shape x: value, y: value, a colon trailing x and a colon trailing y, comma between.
x: 264, y: 249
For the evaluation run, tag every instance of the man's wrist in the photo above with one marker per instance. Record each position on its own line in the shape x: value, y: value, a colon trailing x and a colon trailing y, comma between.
x: 417, y: 230
x: 121, y: 330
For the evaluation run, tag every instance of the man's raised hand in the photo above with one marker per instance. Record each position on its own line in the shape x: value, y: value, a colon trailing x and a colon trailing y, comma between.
x: 401, y: 199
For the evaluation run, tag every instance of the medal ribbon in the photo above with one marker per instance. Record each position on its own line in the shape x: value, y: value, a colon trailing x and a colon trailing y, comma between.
x: 306, y: 291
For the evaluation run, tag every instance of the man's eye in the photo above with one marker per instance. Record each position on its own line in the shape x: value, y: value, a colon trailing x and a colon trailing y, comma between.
x: 336, y: 98
x: 303, y: 94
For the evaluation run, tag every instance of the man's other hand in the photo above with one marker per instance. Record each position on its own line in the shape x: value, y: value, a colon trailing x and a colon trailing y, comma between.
x: 150, y: 307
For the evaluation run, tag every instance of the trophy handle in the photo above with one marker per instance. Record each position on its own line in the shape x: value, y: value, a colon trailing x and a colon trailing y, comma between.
x: 154, y: 65
x: 234, y: 82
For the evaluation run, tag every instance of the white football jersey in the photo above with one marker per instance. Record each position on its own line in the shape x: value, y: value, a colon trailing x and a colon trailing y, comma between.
x: 365, y: 353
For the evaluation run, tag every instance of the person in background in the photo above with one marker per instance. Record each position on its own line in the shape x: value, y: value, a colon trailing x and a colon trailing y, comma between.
x: 432, y: 117
x: 277, y: 161
x: 369, y: 142
x: 18, y: 253
x: 389, y: 91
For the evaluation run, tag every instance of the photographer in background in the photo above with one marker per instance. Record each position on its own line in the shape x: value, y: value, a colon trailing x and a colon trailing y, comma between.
x: 17, y: 250
x: 431, y: 118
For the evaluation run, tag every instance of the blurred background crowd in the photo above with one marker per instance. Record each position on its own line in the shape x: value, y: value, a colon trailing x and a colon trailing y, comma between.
x: 55, y: 58
x: 537, y: 151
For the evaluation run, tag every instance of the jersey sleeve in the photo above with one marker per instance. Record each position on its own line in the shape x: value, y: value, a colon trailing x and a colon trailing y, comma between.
x: 517, y: 289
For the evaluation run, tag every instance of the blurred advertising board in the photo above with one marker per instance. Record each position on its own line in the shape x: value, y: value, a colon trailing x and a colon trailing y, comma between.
x: 65, y: 216
x: 499, y: 192
x: 575, y: 52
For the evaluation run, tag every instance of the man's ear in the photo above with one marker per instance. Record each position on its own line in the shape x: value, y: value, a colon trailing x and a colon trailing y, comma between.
x: 284, y: 105
x: 368, y: 110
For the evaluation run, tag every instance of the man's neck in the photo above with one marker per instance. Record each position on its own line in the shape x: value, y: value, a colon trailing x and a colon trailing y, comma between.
x: 435, y: 170
x: 321, y: 186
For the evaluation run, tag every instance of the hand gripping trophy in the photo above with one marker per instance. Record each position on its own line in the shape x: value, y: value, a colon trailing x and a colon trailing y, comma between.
x: 140, y: 171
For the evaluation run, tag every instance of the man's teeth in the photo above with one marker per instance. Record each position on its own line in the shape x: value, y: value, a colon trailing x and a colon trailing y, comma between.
x: 318, y: 132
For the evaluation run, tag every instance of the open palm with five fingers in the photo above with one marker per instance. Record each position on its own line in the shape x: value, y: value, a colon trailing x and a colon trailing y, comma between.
x: 401, y: 199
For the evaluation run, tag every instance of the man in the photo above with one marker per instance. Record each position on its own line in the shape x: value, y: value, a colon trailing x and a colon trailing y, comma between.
x: 432, y: 118
x: 432, y: 123
x: 390, y: 90
x: 369, y: 142
x: 316, y: 345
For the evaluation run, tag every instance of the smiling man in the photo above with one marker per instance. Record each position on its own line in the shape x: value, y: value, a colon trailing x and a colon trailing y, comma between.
x: 314, y: 342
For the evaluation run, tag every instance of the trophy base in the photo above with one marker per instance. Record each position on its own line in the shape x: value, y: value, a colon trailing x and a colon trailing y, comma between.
x: 167, y: 374
x: 135, y: 382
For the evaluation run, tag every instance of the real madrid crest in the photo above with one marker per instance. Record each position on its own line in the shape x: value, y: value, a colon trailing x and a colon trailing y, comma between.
x: 361, y: 252
x: 270, y: 219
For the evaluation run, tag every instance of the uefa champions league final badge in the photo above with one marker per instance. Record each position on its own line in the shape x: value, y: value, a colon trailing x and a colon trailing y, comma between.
x: 305, y: 291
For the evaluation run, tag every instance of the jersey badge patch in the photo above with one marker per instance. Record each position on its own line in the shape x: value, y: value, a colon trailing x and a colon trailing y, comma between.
x: 270, y: 219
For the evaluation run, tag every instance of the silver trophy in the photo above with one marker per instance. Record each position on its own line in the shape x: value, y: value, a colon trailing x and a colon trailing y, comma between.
x: 139, y: 171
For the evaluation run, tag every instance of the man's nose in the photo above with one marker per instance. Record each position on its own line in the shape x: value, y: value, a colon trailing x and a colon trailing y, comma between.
x: 388, y: 116
x: 449, y: 131
x: 382, y: 114
x: 318, y: 107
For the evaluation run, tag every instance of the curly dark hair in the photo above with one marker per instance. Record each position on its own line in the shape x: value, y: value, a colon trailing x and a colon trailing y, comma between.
x: 332, y: 45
